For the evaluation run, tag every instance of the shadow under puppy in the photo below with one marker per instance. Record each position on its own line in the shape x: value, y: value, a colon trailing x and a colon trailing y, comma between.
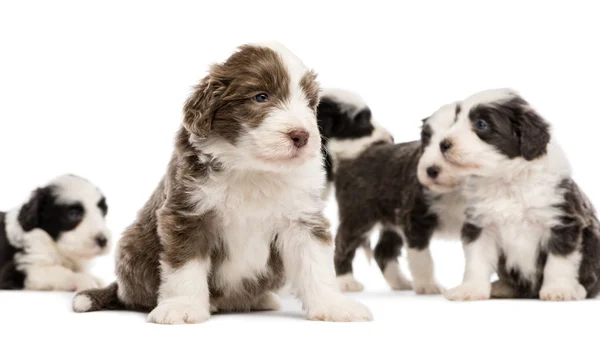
x: 239, y: 208
x: 527, y: 220
x: 393, y: 186
x: 46, y: 242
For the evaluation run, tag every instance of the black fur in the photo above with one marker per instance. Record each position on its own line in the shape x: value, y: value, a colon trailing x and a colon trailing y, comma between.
x: 45, y: 212
x: 513, y: 128
x: 341, y: 123
x: 10, y: 277
x: 381, y: 186
x: 470, y: 233
x: 388, y: 248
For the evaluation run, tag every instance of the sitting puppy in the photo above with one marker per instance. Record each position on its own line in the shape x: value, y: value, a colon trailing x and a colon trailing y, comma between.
x: 382, y: 186
x: 239, y: 208
x: 46, y: 242
x: 527, y: 220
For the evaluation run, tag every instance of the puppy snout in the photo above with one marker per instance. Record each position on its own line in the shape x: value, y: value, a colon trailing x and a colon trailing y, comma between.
x: 433, y: 171
x: 299, y: 137
x: 445, y: 145
x: 101, y: 241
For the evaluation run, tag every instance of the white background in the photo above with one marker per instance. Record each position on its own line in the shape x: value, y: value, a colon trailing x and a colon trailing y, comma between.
x: 96, y: 89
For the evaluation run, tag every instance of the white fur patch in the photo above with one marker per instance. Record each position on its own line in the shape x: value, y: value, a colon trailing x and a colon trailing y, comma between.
x: 81, y: 303
x: 347, y: 282
x: 420, y: 263
x: 395, y: 278
x: 183, y: 294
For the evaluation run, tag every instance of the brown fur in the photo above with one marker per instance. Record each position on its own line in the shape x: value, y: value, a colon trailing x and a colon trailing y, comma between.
x: 169, y: 226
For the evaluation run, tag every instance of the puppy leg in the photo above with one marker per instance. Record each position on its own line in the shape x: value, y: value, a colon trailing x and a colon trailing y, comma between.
x: 502, y: 289
x: 386, y: 254
x: 481, y: 257
x: 57, y: 278
x: 561, y: 278
x: 183, y: 296
x: 307, y: 256
x: 420, y: 263
x: 348, y: 238
x: 267, y: 301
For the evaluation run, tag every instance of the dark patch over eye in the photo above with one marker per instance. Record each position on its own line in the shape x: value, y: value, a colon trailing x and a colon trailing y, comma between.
x: 261, y: 97
x: 481, y: 125
x: 73, y: 213
x: 426, y: 134
x: 103, y: 206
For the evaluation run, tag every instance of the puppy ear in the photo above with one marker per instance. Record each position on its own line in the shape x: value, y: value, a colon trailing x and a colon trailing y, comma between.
x: 533, y: 132
x: 29, y: 215
x: 200, y: 107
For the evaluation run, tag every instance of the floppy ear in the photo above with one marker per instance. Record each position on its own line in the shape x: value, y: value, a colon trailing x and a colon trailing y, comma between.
x: 200, y: 107
x: 29, y: 215
x: 534, y: 133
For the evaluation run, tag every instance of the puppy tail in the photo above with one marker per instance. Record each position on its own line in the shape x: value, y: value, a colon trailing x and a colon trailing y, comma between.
x: 98, y: 299
x: 366, y: 247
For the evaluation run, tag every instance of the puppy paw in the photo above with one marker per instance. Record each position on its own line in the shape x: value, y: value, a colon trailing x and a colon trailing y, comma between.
x: 179, y: 311
x: 468, y: 292
x: 85, y: 281
x: 562, y: 292
x: 268, y: 301
x: 343, y: 309
x: 347, y: 283
x: 431, y: 288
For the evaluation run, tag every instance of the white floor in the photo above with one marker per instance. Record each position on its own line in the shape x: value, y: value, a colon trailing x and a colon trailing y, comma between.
x: 400, y: 317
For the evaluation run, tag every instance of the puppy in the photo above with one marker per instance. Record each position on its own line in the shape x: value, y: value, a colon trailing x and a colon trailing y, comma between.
x: 239, y: 208
x: 347, y: 128
x: 46, y: 242
x: 526, y: 219
x: 382, y: 186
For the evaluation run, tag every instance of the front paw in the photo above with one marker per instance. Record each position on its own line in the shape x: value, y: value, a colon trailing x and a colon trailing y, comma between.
x: 179, y: 311
x: 431, y: 288
x: 562, y: 292
x: 85, y: 281
x: 469, y: 292
x: 342, y: 309
x: 347, y: 283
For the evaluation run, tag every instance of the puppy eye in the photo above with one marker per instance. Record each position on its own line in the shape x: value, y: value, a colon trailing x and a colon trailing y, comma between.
x: 261, y: 97
x: 481, y: 125
x: 74, y: 214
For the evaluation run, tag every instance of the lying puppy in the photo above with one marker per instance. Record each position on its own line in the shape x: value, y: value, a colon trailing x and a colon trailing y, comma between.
x: 394, y: 186
x: 527, y: 219
x: 239, y: 208
x: 46, y: 242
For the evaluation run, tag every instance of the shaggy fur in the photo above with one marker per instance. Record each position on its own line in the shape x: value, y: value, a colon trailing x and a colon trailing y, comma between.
x: 239, y: 209
x: 46, y: 242
x: 526, y: 218
x: 381, y: 187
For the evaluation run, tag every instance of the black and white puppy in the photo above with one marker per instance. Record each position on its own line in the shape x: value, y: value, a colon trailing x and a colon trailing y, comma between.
x: 381, y: 187
x: 347, y: 128
x: 46, y: 242
x: 526, y: 219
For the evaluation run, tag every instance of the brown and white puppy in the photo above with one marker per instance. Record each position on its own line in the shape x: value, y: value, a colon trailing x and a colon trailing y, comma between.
x: 526, y: 219
x: 240, y: 208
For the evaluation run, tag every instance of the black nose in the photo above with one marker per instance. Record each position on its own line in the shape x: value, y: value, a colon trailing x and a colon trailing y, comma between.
x: 433, y: 171
x: 101, y: 241
x: 445, y: 145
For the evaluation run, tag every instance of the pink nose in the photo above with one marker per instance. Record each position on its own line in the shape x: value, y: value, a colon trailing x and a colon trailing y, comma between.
x: 299, y: 137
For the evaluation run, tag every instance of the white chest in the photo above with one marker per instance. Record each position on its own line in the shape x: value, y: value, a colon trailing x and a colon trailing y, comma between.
x: 450, y: 210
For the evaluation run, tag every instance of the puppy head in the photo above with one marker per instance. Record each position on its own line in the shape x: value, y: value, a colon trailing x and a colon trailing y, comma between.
x: 433, y: 171
x: 491, y: 129
x: 346, y: 124
x: 260, y: 105
x: 72, y: 211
